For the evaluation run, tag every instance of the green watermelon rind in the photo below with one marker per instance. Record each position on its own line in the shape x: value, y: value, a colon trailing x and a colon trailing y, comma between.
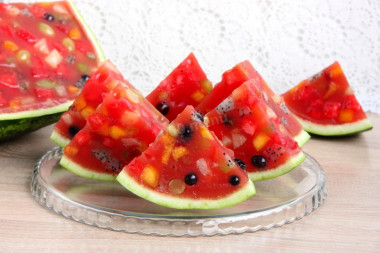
x: 59, y: 139
x: 77, y: 169
x: 242, y: 194
x: 10, y: 129
x: 336, y: 130
x: 302, y: 138
x: 36, y: 113
x: 282, y: 169
x: 16, y: 124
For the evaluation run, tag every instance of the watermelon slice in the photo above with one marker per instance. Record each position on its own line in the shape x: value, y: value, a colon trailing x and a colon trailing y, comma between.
x: 326, y: 105
x: 99, y: 83
x: 122, y: 127
x: 242, y: 72
x: 246, y: 123
x: 46, y: 53
x: 186, y: 85
x: 187, y: 168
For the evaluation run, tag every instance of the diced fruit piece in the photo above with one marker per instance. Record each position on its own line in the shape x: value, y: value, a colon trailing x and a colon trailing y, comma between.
x: 10, y: 45
x: 31, y: 49
x: 188, y: 178
x: 267, y: 151
x: 233, y: 78
x: 187, y: 84
x: 54, y: 58
x: 332, y: 109
x: 46, y: 29
x: 106, y: 152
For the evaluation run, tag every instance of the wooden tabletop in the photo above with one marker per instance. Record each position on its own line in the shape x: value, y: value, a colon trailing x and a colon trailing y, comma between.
x: 348, y: 221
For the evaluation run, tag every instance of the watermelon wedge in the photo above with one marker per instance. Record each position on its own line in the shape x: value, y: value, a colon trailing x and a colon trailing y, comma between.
x: 121, y: 127
x: 186, y: 85
x: 326, y: 105
x: 46, y: 54
x: 233, y: 78
x: 245, y: 123
x: 101, y: 82
x: 186, y: 167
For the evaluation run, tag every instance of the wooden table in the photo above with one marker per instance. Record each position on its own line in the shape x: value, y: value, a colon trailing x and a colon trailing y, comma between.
x: 349, y: 220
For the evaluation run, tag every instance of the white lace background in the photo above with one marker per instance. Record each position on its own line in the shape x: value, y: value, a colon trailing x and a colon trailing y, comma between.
x: 286, y: 41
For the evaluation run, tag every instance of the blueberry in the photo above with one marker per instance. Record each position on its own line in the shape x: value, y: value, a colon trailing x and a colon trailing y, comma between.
x: 186, y: 133
x: 73, y: 130
x: 85, y: 77
x: 240, y: 163
x: 163, y: 108
x: 49, y: 17
x: 234, y: 180
x: 191, y: 179
x: 259, y: 161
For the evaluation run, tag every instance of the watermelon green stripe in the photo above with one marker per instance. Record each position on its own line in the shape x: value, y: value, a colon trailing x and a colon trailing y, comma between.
x: 293, y: 162
x: 10, y: 129
x: 142, y: 191
x: 336, y: 130
x: 302, y: 138
x: 83, y: 172
x: 59, y: 139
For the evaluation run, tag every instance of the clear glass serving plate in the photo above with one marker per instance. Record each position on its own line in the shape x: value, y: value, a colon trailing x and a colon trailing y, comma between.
x: 108, y: 205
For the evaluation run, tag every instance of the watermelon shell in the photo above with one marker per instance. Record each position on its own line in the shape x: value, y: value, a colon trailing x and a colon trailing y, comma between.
x: 34, y: 116
x: 187, y: 167
x: 326, y: 105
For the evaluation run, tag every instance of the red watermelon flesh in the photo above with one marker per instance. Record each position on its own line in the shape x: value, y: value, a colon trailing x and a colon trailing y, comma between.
x: 186, y: 85
x: 236, y: 76
x: 122, y: 127
x: 104, y: 79
x: 187, y: 167
x: 326, y: 104
x: 246, y: 123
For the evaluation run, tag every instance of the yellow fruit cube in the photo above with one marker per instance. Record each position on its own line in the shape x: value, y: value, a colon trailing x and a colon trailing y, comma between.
x: 87, y: 111
x: 11, y: 46
x: 178, y: 152
x: 197, y: 96
x: 346, y: 115
x: 116, y: 132
x: 336, y: 72
x: 260, y: 140
x: 74, y: 34
x: 205, y: 133
x: 149, y: 176
x: 206, y: 86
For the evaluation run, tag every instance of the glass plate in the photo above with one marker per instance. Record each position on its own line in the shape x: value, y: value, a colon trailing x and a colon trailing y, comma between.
x: 108, y: 205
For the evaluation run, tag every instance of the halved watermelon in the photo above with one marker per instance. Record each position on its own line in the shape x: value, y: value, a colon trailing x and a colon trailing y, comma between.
x: 326, y: 105
x: 122, y: 127
x: 245, y: 122
x: 101, y: 82
x: 236, y: 76
x: 186, y: 85
x: 187, y: 168
x: 46, y: 54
